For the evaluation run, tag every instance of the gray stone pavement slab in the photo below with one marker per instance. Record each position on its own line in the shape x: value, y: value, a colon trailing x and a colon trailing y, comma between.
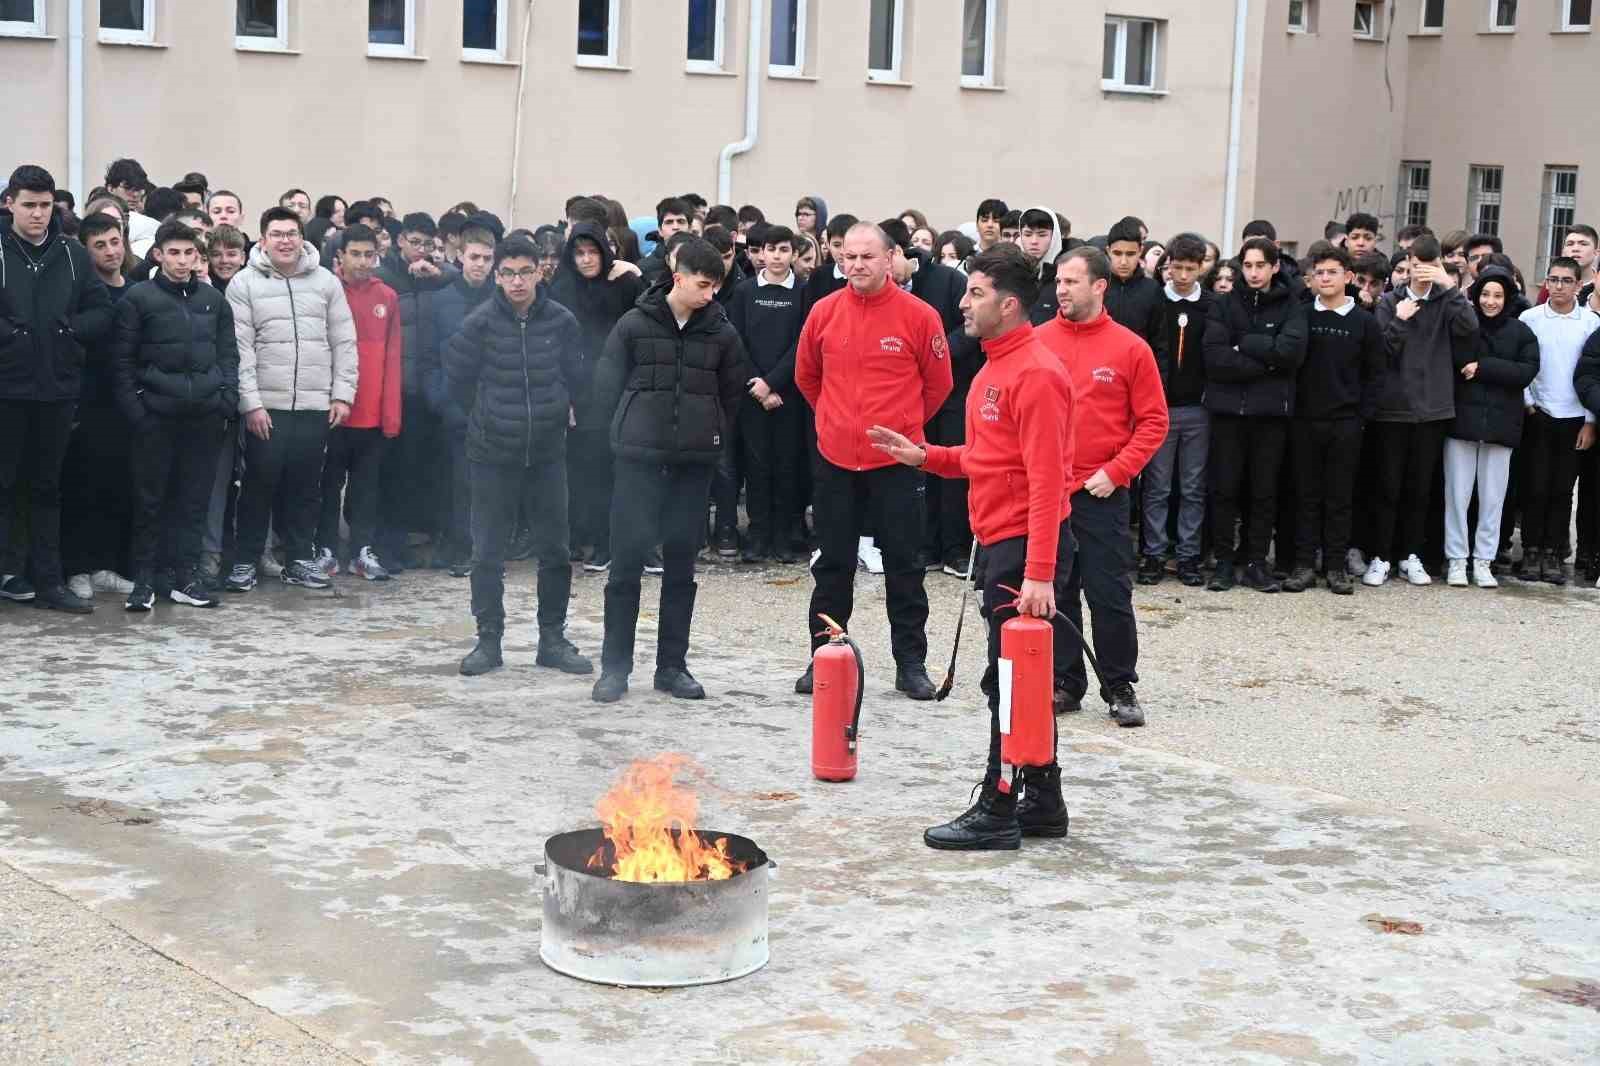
x: 297, y: 798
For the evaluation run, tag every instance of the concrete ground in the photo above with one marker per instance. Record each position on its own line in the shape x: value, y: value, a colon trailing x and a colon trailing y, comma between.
x: 286, y: 831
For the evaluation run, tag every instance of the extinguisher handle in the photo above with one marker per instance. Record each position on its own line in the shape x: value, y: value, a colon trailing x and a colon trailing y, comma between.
x: 1057, y: 616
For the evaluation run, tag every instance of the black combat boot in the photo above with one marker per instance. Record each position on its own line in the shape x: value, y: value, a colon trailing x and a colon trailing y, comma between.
x: 485, y: 656
x: 1042, y: 812
x: 990, y: 824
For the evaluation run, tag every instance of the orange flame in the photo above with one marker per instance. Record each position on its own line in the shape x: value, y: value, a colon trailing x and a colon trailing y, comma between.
x: 648, y: 821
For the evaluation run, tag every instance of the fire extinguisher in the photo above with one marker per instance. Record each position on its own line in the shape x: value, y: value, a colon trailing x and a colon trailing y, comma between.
x: 1027, y: 677
x: 839, y: 682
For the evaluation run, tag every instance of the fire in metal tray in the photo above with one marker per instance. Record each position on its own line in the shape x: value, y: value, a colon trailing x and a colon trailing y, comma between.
x: 647, y: 819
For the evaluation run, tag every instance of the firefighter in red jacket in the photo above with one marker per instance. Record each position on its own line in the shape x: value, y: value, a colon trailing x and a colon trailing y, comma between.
x: 871, y: 354
x: 1121, y: 421
x: 1017, y: 458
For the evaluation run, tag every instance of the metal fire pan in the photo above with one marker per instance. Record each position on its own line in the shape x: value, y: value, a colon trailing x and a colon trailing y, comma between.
x: 652, y: 935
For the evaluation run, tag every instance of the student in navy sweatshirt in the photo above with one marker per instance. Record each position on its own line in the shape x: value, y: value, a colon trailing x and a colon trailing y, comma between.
x: 768, y: 313
x: 1337, y: 391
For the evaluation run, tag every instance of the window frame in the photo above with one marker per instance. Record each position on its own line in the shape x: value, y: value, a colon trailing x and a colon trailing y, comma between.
x: 1374, y: 19
x: 1118, y: 82
x: 1423, y: 26
x: 1568, y: 26
x: 1493, y: 24
x: 1478, y: 197
x: 613, y: 40
x: 407, y: 49
x: 717, y: 64
x: 497, y: 54
x: 276, y: 43
x: 991, y: 22
x: 896, y: 42
x: 1551, y: 201
x: 113, y: 35
x: 1306, y: 23
x: 33, y: 28
x: 1409, y: 193
x: 797, y: 69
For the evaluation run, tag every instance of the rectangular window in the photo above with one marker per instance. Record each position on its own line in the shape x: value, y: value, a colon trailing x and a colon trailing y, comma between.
x: 483, y: 29
x: 884, y: 39
x: 1483, y: 199
x: 977, y: 41
x: 705, y: 35
x: 1502, y: 15
x: 261, y: 25
x: 1576, y: 14
x: 22, y: 18
x: 1415, y: 178
x: 1366, y: 24
x: 788, y: 56
x: 1432, y: 16
x: 1558, y: 210
x: 598, y: 30
x: 127, y: 21
x: 391, y: 27
x: 1131, y: 54
x: 1299, y: 16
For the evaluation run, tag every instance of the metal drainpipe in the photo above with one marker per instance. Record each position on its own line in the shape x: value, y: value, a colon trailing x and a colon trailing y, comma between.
x: 1230, y: 202
x: 516, y: 133
x: 753, y: 71
x: 75, y: 99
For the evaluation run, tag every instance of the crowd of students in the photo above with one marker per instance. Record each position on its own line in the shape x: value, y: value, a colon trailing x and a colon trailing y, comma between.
x: 185, y: 408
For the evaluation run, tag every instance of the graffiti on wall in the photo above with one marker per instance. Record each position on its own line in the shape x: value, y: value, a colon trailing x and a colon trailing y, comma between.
x: 1373, y: 199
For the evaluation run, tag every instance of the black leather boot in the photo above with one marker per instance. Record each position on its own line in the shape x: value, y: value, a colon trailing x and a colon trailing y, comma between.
x: 555, y: 650
x: 913, y: 680
x: 485, y: 656
x: 990, y: 824
x: 1042, y: 812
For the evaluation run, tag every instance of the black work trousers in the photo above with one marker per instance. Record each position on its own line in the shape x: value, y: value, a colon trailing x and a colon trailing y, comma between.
x: 770, y: 441
x: 356, y: 455
x: 1102, y: 573
x: 33, y: 446
x: 1547, y: 460
x: 539, y: 494
x: 174, y: 469
x: 892, y: 501
x: 97, y: 493
x: 949, y: 536
x: 1326, y: 453
x: 1003, y: 563
x: 1245, y: 448
x: 1408, y: 458
x: 654, y: 504
x: 282, y: 485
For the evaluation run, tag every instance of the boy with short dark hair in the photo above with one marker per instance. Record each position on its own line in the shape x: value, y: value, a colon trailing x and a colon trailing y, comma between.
x: 1360, y: 235
x: 177, y: 383
x: 1133, y: 298
x: 991, y: 213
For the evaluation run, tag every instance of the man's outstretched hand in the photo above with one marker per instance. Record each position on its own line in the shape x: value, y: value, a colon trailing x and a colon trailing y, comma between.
x: 897, y: 445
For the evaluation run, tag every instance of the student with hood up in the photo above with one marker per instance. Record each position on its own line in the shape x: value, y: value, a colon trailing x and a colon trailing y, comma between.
x: 583, y: 285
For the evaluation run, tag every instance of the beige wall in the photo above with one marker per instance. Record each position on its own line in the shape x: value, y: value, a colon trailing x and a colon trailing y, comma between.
x: 429, y: 132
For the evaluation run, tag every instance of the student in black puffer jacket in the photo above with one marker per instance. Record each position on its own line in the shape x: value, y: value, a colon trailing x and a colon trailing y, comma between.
x: 1493, y: 366
x: 512, y: 368
x: 673, y: 372
x: 177, y: 381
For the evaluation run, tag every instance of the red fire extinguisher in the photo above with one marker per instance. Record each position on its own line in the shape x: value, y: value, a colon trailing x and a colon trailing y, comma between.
x: 1027, y: 718
x: 839, y: 681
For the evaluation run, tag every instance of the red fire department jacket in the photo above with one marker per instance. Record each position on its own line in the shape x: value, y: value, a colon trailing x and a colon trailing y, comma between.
x: 878, y: 360
x: 379, y: 350
x: 1121, y: 415
x: 1019, y: 446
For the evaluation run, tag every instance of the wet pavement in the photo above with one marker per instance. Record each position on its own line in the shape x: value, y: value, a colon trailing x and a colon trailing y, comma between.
x: 297, y: 797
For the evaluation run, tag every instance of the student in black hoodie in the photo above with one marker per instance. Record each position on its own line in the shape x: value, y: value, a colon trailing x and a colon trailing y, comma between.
x: 584, y: 286
x: 1337, y: 392
x: 767, y: 313
x: 725, y: 482
x: 1133, y: 298
x: 177, y: 383
x: 672, y: 216
x: 1181, y: 460
x: 674, y: 372
x: 52, y: 307
x: 1255, y: 342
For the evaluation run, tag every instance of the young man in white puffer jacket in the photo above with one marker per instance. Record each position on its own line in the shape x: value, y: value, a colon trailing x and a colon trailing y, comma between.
x: 297, y: 379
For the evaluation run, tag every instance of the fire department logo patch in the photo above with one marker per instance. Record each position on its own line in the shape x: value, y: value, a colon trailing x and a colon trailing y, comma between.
x: 989, y: 410
x: 381, y: 311
x: 939, y: 348
x: 1103, y: 374
x: 992, y: 394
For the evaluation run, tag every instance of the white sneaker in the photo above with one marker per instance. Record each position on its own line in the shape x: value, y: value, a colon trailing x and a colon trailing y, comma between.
x: 1456, y: 574
x: 1377, y: 572
x: 869, y: 555
x: 110, y: 581
x: 1483, y: 576
x: 1412, y: 570
x: 80, y: 586
x: 1355, y: 564
x: 270, y: 565
x: 326, y: 562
